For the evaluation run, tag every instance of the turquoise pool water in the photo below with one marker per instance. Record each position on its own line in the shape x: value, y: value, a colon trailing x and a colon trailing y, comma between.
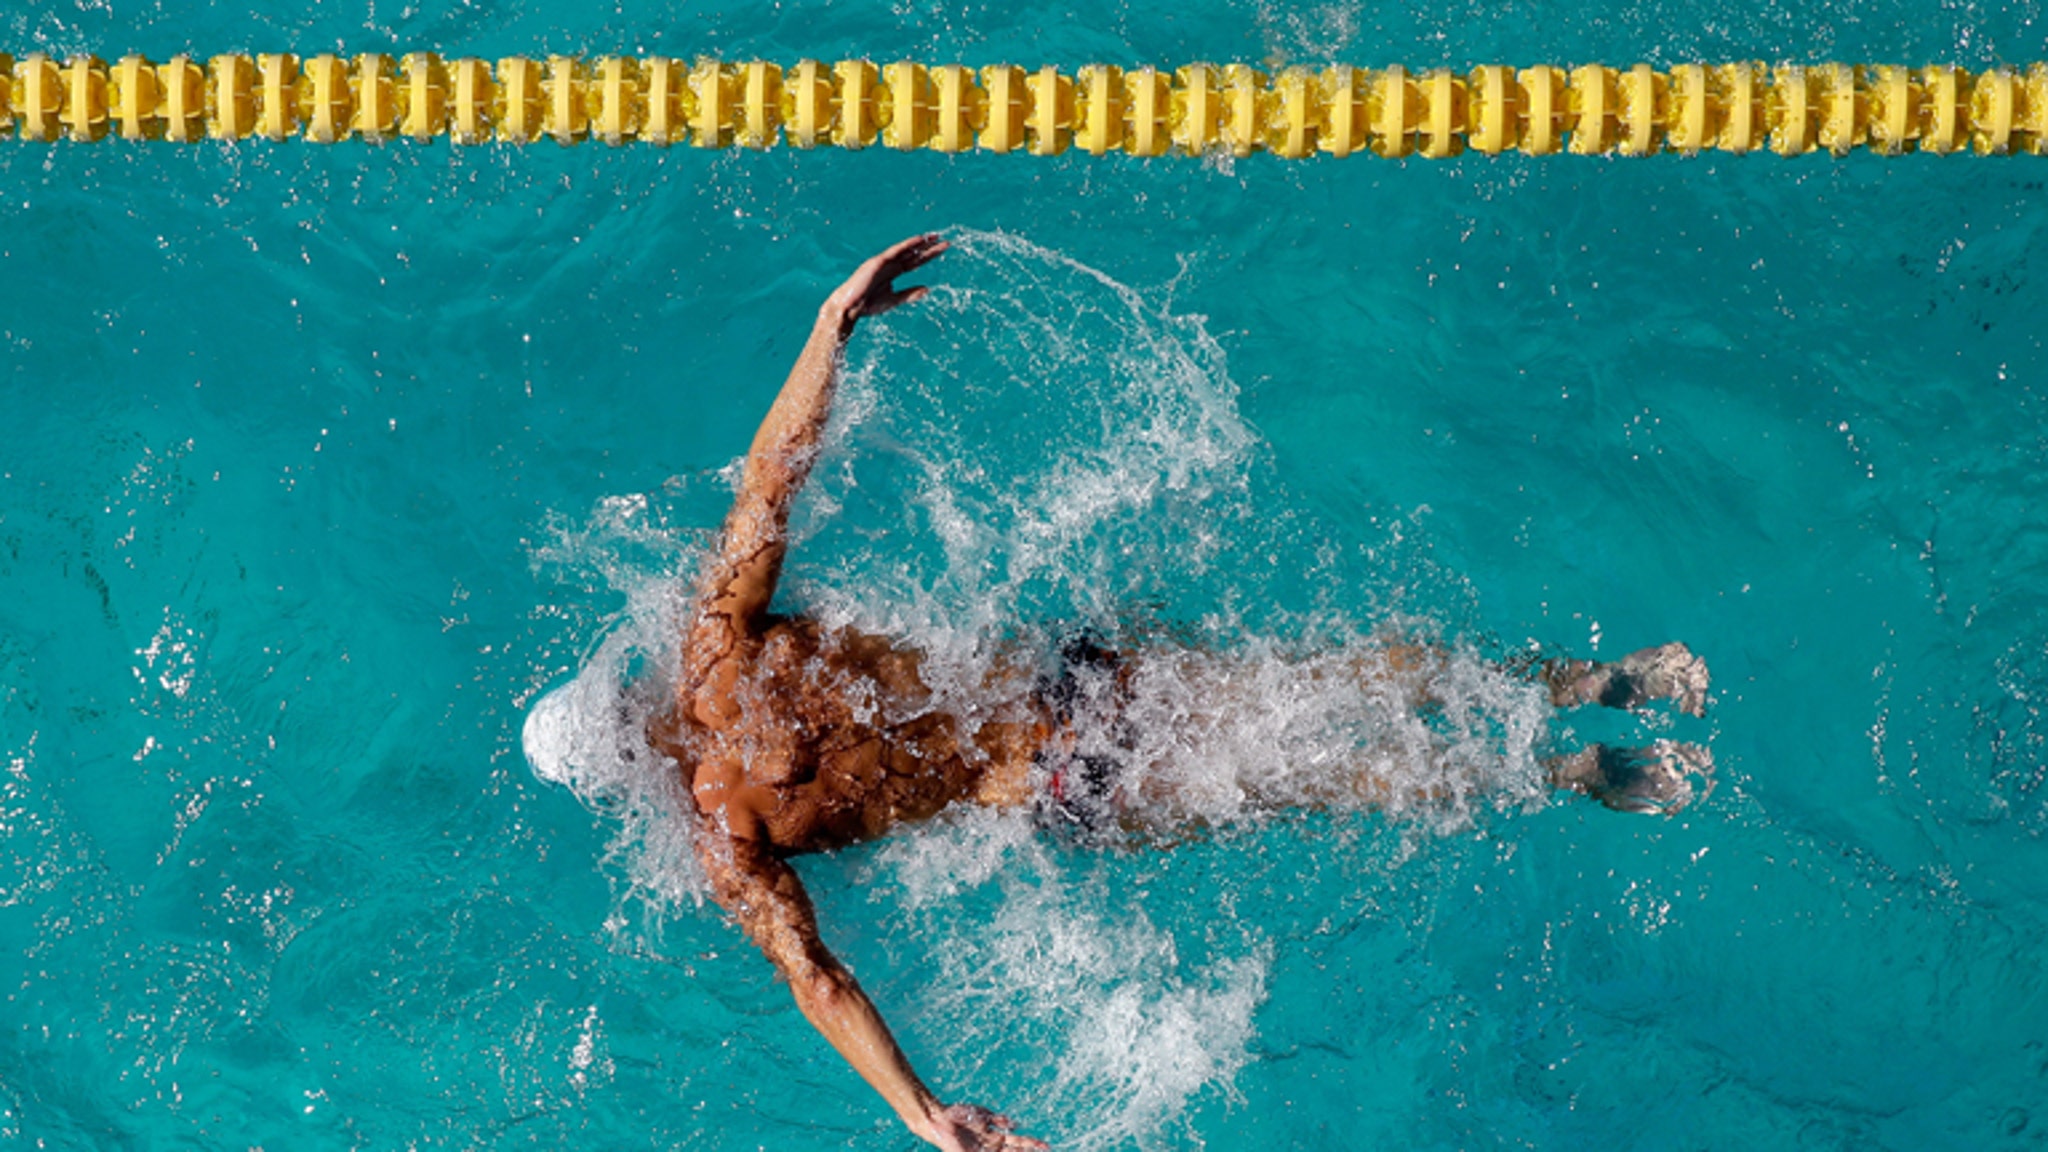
x: 327, y: 471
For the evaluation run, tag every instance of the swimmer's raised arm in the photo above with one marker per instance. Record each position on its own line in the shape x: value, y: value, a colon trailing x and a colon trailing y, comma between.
x: 741, y: 581
x: 763, y: 891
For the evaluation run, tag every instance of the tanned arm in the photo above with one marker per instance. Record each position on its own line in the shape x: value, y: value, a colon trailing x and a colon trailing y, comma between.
x: 747, y: 875
x: 763, y: 892
x: 741, y: 581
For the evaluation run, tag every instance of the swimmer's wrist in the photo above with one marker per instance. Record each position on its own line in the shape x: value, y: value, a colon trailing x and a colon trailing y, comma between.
x: 836, y: 318
x: 925, y: 1124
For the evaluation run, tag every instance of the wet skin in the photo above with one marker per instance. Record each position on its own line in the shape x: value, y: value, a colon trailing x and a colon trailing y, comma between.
x: 843, y: 740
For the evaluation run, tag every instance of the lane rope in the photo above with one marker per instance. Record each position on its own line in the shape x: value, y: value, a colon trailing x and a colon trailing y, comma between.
x: 1197, y: 110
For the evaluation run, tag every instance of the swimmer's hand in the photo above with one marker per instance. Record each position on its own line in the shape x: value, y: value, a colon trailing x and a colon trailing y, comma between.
x: 972, y: 1128
x: 871, y: 290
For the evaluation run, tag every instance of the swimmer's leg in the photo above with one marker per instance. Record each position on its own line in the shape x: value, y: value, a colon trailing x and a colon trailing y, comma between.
x: 1666, y: 672
x: 1656, y: 779
x: 1408, y: 668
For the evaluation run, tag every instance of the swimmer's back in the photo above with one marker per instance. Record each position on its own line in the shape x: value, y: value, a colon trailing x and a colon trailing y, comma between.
x: 841, y: 727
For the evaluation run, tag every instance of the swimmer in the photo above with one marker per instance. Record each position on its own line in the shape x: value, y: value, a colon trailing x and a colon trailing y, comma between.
x: 796, y: 738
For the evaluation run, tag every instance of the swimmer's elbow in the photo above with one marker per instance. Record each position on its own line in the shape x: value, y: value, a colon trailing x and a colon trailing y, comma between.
x: 821, y: 990
x: 768, y: 900
x: 815, y: 976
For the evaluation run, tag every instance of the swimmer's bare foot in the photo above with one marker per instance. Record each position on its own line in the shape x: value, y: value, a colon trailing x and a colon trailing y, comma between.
x: 1656, y: 779
x: 1666, y: 672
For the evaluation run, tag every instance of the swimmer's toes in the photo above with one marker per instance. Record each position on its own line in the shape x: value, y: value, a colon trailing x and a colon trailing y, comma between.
x: 1656, y: 780
x: 1692, y: 680
x: 1667, y: 672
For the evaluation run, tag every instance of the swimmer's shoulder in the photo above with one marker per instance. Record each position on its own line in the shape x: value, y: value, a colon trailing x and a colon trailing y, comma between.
x: 800, y: 646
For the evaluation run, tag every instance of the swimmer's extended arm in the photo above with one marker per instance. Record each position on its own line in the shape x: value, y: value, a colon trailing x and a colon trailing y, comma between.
x: 742, y: 580
x: 763, y: 891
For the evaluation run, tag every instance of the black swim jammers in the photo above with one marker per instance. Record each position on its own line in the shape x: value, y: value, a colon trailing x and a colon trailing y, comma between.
x: 1083, y: 763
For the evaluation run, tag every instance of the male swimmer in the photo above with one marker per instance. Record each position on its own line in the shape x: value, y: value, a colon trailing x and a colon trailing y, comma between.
x: 799, y: 739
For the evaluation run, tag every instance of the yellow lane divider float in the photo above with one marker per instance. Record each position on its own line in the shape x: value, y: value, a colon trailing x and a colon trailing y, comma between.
x: 1196, y: 110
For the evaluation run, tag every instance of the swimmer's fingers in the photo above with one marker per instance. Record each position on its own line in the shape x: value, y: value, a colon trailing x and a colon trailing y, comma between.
x: 902, y: 260
x: 972, y: 1128
x: 871, y: 290
x: 880, y: 304
x: 912, y: 254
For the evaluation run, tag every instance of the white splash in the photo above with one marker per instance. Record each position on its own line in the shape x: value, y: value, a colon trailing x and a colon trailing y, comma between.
x: 1410, y: 728
x: 1132, y: 1031
x: 589, y: 734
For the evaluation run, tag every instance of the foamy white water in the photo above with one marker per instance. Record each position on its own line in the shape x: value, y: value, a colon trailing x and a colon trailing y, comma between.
x: 1131, y: 1029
